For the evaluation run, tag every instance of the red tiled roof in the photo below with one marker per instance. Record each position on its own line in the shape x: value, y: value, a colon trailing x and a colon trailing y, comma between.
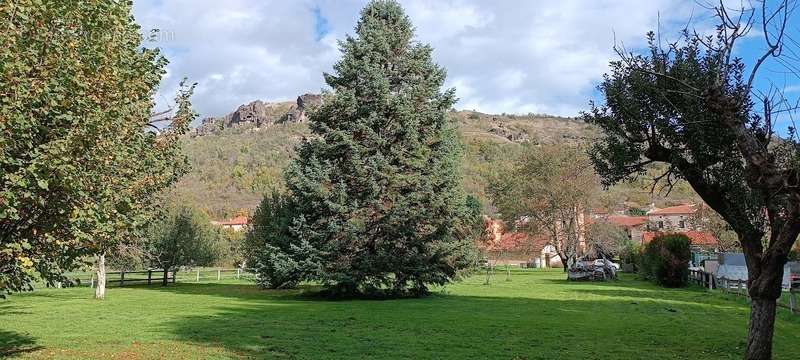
x: 627, y: 221
x: 699, y: 238
x: 674, y: 210
x: 239, y: 220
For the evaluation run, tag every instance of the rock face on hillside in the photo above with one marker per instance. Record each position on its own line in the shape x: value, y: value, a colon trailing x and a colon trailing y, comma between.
x: 304, y: 102
x: 259, y: 114
x: 500, y: 129
x: 253, y: 113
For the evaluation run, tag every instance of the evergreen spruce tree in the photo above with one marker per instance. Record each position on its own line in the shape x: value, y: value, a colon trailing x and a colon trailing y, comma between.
x: 377, y: 188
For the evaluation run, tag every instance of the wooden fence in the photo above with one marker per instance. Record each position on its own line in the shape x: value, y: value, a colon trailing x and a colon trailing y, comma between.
x: 739, y: 288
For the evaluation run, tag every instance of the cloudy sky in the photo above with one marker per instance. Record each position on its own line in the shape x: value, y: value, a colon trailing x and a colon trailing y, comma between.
x: 501, y: 56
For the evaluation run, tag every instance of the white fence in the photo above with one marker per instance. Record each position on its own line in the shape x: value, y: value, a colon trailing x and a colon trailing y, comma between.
x: 156, y: 276
x: 739, y: 288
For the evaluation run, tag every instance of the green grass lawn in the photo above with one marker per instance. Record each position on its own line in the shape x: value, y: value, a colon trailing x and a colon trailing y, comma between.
x: 537, y: 315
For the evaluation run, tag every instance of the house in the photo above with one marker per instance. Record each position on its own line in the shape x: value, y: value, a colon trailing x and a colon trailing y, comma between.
x: 673, y: 218
x: 516, y: 247
x: 634, y: 225
x: 237, y: 224
x: 699, y: 239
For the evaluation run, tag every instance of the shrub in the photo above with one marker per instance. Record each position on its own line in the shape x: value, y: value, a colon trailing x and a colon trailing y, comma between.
x: 636, y: 212
x: 631, y: 254
x: 665, y: 260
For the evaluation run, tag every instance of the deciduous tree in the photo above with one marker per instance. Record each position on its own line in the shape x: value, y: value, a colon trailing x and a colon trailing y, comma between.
x: 691, y: 106
x: 78, y: 170
x: 547, y: 192
x: 183, y: 236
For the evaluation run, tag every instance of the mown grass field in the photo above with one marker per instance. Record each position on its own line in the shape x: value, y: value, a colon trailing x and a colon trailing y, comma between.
x: 536, y: 315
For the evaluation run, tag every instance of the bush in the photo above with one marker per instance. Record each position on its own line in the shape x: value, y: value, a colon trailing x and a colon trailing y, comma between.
x: 631, y: 254
x: 636, y: 212
x: 665, y: 260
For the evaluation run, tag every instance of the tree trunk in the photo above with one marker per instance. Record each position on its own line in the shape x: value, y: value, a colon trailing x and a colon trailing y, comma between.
x: 764, y: 278
x: 100, y: 289
x: 564, y: 262
x: 166, y: 277
x: 764, y: 287
x: 760, y: 329
x: 488, y: 273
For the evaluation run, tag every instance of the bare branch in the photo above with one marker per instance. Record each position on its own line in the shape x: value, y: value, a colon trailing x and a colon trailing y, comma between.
x: 773, y: 48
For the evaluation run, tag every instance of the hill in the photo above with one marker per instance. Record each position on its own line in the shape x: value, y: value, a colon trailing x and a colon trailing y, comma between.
x: 243, y: 154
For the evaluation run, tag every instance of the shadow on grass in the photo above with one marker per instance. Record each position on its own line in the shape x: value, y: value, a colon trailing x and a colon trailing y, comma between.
x: 241, y: 291
x: 6, y: 308
x: 13, y: 344
x: 456, y: 326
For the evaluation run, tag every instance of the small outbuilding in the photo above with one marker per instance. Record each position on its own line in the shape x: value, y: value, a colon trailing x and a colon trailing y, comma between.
x: 732, y: 266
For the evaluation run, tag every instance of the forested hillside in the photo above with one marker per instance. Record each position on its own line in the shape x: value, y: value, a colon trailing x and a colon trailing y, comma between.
x: 234, y: 167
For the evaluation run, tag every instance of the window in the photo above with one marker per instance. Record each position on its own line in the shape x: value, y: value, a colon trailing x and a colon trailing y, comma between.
x: 682, y: 224
x: 660, y: 224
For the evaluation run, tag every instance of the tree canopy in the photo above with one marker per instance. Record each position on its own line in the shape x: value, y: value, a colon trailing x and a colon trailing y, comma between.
x: 78, y: 169
x: 691, y: 106
x: 183, y: 236
x: 546, y: 192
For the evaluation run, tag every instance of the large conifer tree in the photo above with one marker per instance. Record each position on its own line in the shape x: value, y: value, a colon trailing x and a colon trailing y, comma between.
x: 377, y: 188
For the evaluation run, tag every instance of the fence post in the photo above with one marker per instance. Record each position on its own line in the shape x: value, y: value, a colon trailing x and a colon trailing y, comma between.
x: 198, y: 274
x: 174, y: 273
x: 792, y: 300
x: 747, y: 291
x: 710, y: 281
x: 92, y: 284
x: 238, y: 273
x: 122, y: 278
x: 149, y: 276
x: 219, y: 274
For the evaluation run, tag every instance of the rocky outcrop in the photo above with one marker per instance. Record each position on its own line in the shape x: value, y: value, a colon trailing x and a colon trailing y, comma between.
x: 209, y: 126
x: 252, y: 113
x: 304, y: 102
x: 259, y: 114
x: 502, y: 130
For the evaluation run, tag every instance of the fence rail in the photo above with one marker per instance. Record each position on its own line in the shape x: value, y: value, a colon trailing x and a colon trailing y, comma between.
x: 156, y: 276
x: 739, y: 288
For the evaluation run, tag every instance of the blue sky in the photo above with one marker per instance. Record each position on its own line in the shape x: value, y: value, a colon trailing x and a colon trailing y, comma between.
x: 321, y: 27
x: 501, y: 56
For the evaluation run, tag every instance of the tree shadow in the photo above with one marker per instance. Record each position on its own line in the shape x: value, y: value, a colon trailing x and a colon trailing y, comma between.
x: 296, y: 325
x: 6, y: 308
x: 14, y: 344
x: 241, y: 291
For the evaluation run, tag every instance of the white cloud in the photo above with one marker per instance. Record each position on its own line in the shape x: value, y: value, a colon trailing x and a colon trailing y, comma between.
x: 502, y: 56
